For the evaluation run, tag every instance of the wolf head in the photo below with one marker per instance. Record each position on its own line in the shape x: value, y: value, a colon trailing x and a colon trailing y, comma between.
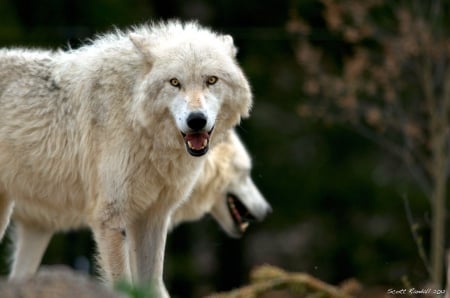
x: 192, y: 73
x: 225, y: 190
x: 239, y: 202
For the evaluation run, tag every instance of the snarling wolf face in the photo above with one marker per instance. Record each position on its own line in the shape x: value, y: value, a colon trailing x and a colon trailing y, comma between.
x: 225, y: 190
x: 240, y: 201
x: 193, y: 74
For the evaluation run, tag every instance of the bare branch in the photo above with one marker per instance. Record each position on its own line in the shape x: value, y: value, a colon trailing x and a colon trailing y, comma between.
x: 402, y: 154
x: 417, y: 238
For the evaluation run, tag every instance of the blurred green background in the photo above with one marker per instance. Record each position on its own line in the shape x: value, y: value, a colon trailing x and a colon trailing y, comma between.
x: 337, y: 198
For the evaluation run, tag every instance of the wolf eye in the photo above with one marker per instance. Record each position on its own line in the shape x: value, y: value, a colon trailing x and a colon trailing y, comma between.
x: 212, y: 80
x: 174, y: 82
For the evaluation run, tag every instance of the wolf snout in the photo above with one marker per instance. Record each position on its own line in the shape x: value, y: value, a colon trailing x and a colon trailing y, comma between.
x: 267, y: 210
x: 262, y: 212
x: 196, y: 121
x: 197, y: 138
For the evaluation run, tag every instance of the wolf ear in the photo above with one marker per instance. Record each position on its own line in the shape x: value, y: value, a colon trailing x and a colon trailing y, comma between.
x: 143, y: 46
x: 228, y: 41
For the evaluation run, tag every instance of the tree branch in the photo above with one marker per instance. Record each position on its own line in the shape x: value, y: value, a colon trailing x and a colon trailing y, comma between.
x: 417, y: 238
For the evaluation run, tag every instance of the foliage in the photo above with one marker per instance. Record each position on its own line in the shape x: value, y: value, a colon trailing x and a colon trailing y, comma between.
x: 133, y: 291
x: 390, y: 80
x: 270, y: 281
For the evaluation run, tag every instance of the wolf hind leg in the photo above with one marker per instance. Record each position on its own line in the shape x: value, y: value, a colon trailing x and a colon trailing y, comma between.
x: 30, y: 245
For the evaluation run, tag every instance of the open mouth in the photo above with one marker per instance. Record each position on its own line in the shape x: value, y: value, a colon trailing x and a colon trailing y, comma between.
x: 197, y: 143
x: 240, y: 214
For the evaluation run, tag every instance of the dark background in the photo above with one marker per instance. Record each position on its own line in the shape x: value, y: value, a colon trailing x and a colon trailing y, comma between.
x: 337, y: 199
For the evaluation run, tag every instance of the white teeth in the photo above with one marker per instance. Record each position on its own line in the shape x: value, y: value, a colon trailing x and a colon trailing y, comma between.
x: 205, y: 143
x: 243, y: 226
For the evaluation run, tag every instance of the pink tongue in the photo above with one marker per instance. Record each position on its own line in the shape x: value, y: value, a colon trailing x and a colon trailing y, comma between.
x: 197, y: 140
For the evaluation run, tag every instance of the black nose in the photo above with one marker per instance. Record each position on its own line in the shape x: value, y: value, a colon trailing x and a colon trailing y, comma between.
x: 196, y: 121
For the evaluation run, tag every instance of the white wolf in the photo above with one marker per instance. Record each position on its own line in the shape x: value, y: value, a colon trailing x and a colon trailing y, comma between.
x: 115, y: 132
x: 224, y: 189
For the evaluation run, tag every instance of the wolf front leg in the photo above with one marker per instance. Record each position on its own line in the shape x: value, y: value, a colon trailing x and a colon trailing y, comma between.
x: 30, y: 243
x: 110, y: 214
x: 112, y: 253
x: 146, y: 238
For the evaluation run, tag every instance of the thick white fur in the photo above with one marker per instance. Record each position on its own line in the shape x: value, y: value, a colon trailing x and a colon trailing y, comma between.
x: 92, y: 134
x: 226, y: 170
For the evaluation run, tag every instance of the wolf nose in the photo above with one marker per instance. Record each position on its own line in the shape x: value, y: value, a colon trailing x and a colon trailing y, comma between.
x: 196, y: 121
